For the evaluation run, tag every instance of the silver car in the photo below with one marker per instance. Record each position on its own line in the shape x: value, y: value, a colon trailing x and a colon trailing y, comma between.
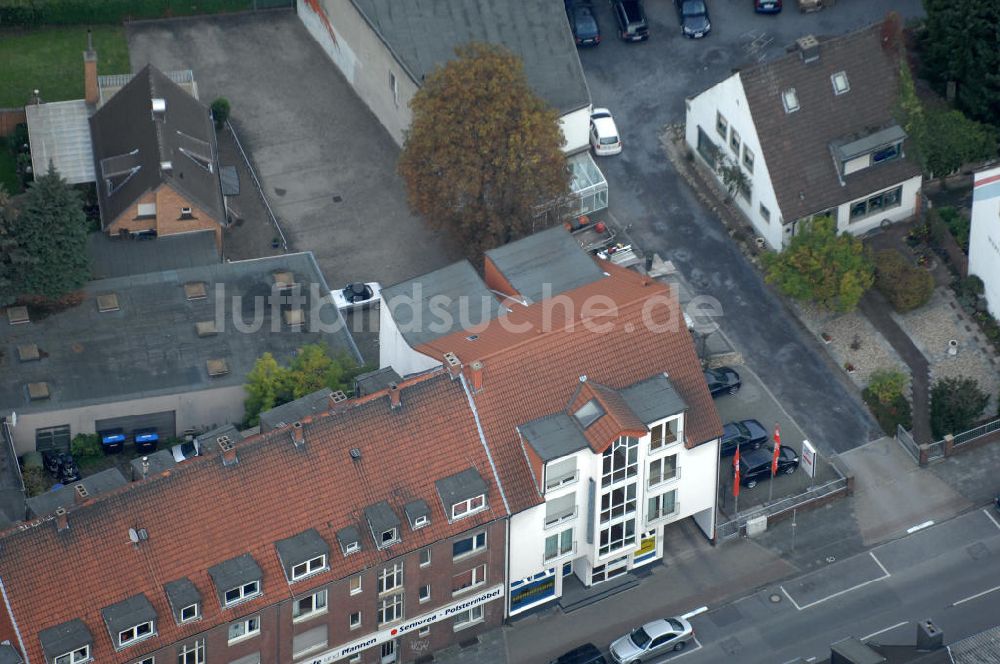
x: 651, y: 640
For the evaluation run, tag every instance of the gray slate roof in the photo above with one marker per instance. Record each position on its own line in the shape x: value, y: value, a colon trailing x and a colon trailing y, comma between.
x: 158, y: 461
x: 796, y: 146
x: 347, y: 536
x: 424, y: 33
x: 12, y: 503
x: 545, y: 264
x: 981, y: 648
x: 295, y: 411
x: 653, y: 399
x: 460, y: 486
x: 112, y: 257
x: 96, y: 484
x: 457, y: 292
x: 127, y: 613
x: 126, y: 137
x: 375, y: 381
x: 181, y: 594
x: 150, y: 346
x: 553, y: 436
x: 233, y: 573
x: 9, y: 655
x: 381, y: 518
x: 299, y: 548
x: 416, y: 509
x: 63, y: 638
x: 209, y: 441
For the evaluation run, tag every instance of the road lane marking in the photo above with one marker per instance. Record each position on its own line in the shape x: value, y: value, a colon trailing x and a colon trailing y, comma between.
x: 696, y: 612
x: 989, y: 516
x: 921, y: 526
x: 883, y: 631
x: 976, y: 596
x: 841, y: 592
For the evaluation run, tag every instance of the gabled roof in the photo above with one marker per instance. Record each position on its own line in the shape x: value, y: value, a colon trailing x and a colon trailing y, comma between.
x: 542, y: 265
x: 296, y: 410
x: 796, y: 145
x: 423, y: 35
x: 66, y: 496
x: 615, y: 419
x: 131, y: 146
x: 82, y: 564
x: 533, y: 361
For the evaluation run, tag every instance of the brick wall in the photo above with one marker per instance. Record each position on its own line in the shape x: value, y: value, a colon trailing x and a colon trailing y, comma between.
x: 168, y: 219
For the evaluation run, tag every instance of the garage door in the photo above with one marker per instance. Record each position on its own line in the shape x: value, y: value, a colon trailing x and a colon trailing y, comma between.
x: 165, y: 423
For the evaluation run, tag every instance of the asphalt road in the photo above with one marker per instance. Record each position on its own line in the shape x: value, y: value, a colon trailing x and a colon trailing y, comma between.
x: 949, y: 573
x: 645, y: 85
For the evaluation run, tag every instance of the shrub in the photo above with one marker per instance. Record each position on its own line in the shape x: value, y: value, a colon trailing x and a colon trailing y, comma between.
x: 956, y: 404
x: 220, y: 112
x: 86, y: 446
x: 973, y: 284
x: 887, y: 384
x: 957, y: 224
x: 889, y: 415
x: 904, y: 285
x: 34, y: 481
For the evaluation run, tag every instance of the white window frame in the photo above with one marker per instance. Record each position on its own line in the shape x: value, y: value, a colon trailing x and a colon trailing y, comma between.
x: 554, y: 480
x: 192, y: 618
x: 313, y: 648
x: 244, y: 593
x: 386, y: 543
x: 841, y: 75
x: 468, y: 507
x: 722, y: 123
x: 478, y: 578
x: 351, y: 547
x: 197, y: 649
x: 351, y: 622
x: 735, y: 142
x: 147, y: 660
x: 661, y: 436
x: 394, y: 602
x: 659, y: 501
x: 425, y: 557
x: 468, y: 618
x: 477, y: 547
x: 661, y: 461
x: 560, y: 518
x: 319, y: 601
x: 420, y: 521
x: 250, y: 628
x: 788, y: 96
x: 748, y: 163
x: 393, y: 575
x: 423, y: 597
x: 424, y: 631
x: 355, y: 588
x: 145, y: 210
x: 74, y: 656
x: 311, y: 566
x: 560, y: 551
x: 134, y: 635
x: 394, y: 86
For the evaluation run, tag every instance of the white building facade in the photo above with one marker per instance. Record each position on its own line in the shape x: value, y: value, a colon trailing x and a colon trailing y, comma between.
x: 984, y: 236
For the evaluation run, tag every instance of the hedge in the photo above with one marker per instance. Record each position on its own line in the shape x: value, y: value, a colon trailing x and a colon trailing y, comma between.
x: 903, y: 284
x: 34, y: 13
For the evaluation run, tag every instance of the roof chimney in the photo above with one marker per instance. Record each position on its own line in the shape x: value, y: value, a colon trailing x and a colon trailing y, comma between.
x: 394, y: 400
x: 81, y: 494
x: 145, y: 467
x: 228, y: 448
x: 337, y: 396
x: 454, y: 364
x: 476, y: 371
x: 808, y: 48
x: 298, y: 434
x: 929, y: 637
x: 62, y: 521
x: 91, y: 92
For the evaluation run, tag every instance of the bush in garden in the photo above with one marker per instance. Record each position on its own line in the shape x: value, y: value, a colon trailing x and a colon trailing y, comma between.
x: 956, y: 404
x: 887, y: 384
x: 906, y: 286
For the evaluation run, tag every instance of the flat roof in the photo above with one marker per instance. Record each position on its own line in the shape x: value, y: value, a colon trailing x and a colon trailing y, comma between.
x: 545, y: 264
x: 112, y: 257
x: 654, y: 399
x: 60, y: 133
x: 553, y: 436
x: 150, y: 345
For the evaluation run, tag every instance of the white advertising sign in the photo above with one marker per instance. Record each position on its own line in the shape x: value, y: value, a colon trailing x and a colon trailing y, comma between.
x: 808, y: 458
x: 375, y: 638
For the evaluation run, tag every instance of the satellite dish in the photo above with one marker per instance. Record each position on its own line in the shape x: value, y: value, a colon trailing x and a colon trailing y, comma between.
x: 133, y: 536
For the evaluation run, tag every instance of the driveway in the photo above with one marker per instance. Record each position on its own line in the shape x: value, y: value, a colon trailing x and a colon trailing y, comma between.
x: 645, y: 86
x: 327, y: 166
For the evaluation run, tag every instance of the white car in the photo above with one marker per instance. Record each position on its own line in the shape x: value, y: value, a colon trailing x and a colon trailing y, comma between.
x: 186, y: 450
x: 604, y: 137
x: 652, y: 640
x: 357, y: 295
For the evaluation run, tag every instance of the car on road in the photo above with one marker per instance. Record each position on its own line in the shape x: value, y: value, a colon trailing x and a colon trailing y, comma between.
x: 583, y: 23
x: 693, y: 15
x: 186, y: 450
x: 745, y: 434
x: 632, y: 23
x: 652, y: 640
x: 604, y: 137
x: 588, y: 653
x: 723, y: 380
x: 767, y: 6
x: 756, y: 464
x: 356, y: 295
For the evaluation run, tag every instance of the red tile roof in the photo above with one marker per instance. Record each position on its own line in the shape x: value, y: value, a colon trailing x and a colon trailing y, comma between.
x: 202, y: 513
x: 616, y: 331
x: 618, y: 418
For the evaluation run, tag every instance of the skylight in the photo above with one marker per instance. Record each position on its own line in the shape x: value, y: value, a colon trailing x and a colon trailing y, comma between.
x: 840, y: 83
x: 588, y: 413
x: 790, y: 100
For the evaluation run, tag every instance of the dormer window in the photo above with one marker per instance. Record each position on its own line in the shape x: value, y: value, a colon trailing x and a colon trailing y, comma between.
x: 302, y: 570
x: 588, y: 413
x: 135, y: 633
x: 67, y: 643
x: 130, y: 621
x: 388, y: 537
x: 303, y: 555
x: 185, y: 601
x: 840, y: 83
x: 790, y: 100
x: 418, y: 513
x: 467, y: 507
x: 420, y: 522
x: 190, y: 613
x: 463, y: 494
x: 76, y: 657
x: 242, y: 592
x: 236, y: 580
x: 384, y: 524
x: 352, y: 547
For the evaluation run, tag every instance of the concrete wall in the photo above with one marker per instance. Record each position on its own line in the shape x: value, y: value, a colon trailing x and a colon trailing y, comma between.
x: 907, y: 208
x: 984, y: 237
x: 393, y: 351
x: 363, y: 59
x: 728, y: 98
x: 201, y: 408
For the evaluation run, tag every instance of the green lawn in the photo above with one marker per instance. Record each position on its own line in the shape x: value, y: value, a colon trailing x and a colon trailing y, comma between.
x: 8, y: 172
x: 51, y: 61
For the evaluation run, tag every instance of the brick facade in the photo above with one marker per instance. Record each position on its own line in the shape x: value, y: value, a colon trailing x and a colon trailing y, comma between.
x: 168, y: 219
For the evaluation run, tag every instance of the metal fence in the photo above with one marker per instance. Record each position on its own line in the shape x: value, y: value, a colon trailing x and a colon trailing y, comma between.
x: 906, y: 441
x: 978, y: 432
x: 731, y: 529
x: 260, y: 189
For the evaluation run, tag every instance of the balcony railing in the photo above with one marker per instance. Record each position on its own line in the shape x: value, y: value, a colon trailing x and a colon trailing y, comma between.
x: 550, y: 556
x: 555, y: 519
x: 650, y: 483
x: 660, y: 514
x: 558, y: 482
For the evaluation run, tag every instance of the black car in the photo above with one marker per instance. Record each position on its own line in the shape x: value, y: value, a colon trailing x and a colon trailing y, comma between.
x: 756, y: 465
x: 588, y: 653
x: 632, y: 23
x: 693, y: 15
x: 747, y: 434
x: 767, y: 6
x: 723, y: 380
x: 583, y: 22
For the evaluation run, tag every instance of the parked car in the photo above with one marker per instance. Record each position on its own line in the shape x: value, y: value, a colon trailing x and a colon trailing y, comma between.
x: 632, y: 23
x: 604, y: 138
x: 693, y: 15
x: 745, y: 434
x: 146, y: 439
x: 756, y: 465
x: 583, y: 23
x: 186, y: 450
x: 356, y: 295
x: 723, y: 380
x: 651, y: 640
x: 767, y: 6
x: 588, y: 653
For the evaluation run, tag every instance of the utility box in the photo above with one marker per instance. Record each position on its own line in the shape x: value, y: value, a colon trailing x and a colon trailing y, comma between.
x: 756, y: 526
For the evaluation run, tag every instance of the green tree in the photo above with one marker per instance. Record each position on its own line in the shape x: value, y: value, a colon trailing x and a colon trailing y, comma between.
x: 9, y: 252
x: 482, y: 159
x: 263, y: 385
x: 50, y: 229
x: 956, y: 404
x: 906, y: 286
x: 960, y: 44
x: 832, y: 270
x: 220, y: 112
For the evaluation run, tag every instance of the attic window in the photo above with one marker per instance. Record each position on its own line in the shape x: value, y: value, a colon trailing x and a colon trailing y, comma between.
x: 186, y: 213
x: 388, y: 537
x: 38, y: 391
x: 466, y: 507
x: 217, y: 367
x: 351, y: 547
x: 107, y: 302
x: 790, y: 100
x: 189, y: 613
x: 17, y: 315
x: 195, y: 290
x: 420, y: 522
x: 840, y: 84
x: 588, y: 413
x: 206, y: 328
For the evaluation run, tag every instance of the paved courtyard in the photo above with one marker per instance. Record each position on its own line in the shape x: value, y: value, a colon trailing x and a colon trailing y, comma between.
x: 327, y: 166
